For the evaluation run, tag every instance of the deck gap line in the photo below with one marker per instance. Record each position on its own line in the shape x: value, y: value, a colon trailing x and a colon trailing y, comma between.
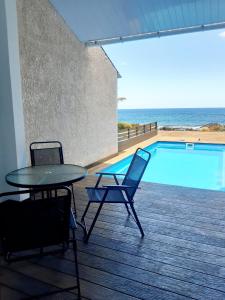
x: 198, y: 214
x: 163, y: 214
x: 108, y: 212
x: 15, y: 289
x: 154, y: 260
x: 99, y: 245
x: 201, y: 243
x: 153, y: 272
x: 151, y: 239
x: 160, y: 214
x: 202, y: 262
x: 68, y: 274
x: 120, y: 276
x: 38, y: 280
x: 106, y: 287
x: 169, y: 222
x: 152, y: 201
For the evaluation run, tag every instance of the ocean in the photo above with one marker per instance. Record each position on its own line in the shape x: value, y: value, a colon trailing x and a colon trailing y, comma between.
x: 173, y: 117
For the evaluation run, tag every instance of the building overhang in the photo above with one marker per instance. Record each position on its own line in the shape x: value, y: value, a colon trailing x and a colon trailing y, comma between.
x: 99, y: 22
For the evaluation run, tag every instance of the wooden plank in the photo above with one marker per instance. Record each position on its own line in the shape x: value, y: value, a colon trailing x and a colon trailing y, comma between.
x: 153, y: 266
x: 10, y: 294
x: 118, y: 283
x: 176, y: 220
x: 150, y: 222
x: 152, y: 279
x: 157, y: 239
x: 182, y: 255
x: 221, y: 241
x: 148, y: 201
x: 134, y: 245
x: 175, y: 201
x: 164, y: 228
x: 22, y: 283
x: 60, y: 273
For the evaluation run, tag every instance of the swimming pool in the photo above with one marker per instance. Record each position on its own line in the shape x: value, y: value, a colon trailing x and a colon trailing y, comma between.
x: 176, y: 163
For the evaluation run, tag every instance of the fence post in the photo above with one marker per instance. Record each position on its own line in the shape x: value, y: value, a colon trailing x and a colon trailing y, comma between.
x: 128, y: 133
x: 144, y: 128
x: 150, y: 126
x: 156, y: 125
x: 136, y: 131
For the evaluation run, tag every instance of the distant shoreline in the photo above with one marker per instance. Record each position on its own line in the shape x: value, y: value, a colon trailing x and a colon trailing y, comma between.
x: 179, y: 127
x: 166, y: 108
x: 206, y: 127
x: 180, y: 118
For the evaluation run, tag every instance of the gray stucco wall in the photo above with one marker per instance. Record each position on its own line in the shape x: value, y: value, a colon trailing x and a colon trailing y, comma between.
x: 69, y: 90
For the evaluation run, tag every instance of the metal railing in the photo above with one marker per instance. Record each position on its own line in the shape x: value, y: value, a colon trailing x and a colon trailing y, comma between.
x: 126, y: 134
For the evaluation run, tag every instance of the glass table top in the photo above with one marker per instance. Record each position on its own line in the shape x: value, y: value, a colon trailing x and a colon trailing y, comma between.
x: 48, y: 175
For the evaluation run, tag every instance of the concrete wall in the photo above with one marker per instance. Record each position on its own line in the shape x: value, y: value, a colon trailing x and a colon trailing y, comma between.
x: 69, y: 90
x: 12, y: 153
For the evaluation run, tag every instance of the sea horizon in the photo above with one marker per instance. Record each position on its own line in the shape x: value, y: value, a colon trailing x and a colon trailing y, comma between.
x: 173, y: 117
x: 140, y: 108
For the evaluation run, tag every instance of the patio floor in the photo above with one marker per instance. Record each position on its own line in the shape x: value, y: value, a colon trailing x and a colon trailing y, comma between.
x: 181, y: 256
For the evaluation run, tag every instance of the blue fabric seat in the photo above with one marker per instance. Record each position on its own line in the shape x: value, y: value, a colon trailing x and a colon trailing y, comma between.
x: 118, y: 193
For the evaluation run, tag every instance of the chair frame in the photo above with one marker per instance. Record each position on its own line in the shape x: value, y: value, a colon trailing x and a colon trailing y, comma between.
x: 7, y: 255
x: 42, y: 143
x: 32, y: 149
x: 128, y: 201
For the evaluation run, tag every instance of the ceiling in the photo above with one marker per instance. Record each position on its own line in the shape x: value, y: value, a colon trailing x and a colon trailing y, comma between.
x: 109, y: 21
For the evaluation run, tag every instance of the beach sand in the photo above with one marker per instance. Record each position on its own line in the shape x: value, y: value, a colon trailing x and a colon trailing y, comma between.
x: 192, y: 136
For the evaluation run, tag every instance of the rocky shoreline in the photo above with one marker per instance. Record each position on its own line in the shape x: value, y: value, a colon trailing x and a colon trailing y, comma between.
x: 206, y: 127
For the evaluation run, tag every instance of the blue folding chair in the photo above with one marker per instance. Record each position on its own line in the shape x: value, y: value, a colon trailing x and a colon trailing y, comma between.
x: 119, y: 193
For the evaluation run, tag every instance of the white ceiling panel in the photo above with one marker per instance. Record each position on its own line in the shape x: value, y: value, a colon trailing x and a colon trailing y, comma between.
x: 109, y: 21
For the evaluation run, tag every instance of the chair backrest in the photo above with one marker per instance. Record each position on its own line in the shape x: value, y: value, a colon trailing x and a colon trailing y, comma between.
x: 46, y: 153
x: 31, y: 224
x: 136, y: 170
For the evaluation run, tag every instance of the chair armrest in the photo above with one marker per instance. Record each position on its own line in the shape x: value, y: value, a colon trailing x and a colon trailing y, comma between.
x: 106, y: 173
x: 119, y: 187
x: 112, y: 174
x: 94, y: 188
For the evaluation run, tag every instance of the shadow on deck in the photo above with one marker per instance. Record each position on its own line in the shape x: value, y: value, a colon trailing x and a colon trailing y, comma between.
x: 181, y: 256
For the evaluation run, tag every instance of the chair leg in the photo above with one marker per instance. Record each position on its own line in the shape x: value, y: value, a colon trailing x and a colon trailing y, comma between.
x: 86, y: 238
x: 85, y: 212
x: 128, y: 211
x: 136, y: 219
x: 74, y: 202
x: 76, y: 265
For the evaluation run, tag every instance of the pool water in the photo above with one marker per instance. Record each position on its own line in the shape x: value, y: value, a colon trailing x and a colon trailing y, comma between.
x: 197, y: 165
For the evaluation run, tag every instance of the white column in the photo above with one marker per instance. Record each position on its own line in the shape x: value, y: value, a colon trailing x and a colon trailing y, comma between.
x: 12, y: 136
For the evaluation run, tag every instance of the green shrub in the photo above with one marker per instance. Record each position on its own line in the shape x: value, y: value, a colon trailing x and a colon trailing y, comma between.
x: 213, y: 127
x: 124, y: 125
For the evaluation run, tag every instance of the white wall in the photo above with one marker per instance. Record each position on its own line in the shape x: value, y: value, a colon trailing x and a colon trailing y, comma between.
x: 12, y: 139
x: 69, y: 91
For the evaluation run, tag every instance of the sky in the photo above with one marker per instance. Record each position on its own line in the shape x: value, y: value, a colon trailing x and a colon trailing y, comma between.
x: 178, y: 71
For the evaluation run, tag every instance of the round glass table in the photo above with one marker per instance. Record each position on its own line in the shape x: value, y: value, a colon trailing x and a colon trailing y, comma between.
x: 46, y: 176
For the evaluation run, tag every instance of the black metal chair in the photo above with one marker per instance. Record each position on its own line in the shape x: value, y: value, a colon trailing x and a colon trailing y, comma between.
x: 119, y: 193
x: 41, y: 155
x: 48, y: 153
x: 34, y: 225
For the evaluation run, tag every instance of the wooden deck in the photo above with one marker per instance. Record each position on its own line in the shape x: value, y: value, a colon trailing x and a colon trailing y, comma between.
x: 182, y: 255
